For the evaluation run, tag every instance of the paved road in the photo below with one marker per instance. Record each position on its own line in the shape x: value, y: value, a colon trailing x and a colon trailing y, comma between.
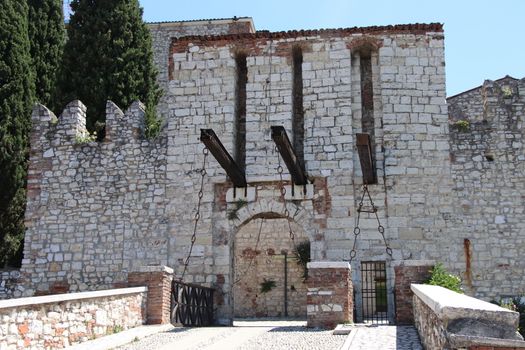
x: 273, y: 335
x: 245, y: 335
x: 384, y: 338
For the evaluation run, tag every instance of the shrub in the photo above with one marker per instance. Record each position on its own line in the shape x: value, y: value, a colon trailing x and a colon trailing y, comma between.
x: 441, y: 277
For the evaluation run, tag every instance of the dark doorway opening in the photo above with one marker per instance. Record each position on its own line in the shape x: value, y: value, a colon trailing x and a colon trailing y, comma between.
x: 374, y: 292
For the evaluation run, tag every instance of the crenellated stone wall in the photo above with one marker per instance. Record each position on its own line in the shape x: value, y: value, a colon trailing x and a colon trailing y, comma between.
x: 95, y: 210
x: 488, y: 168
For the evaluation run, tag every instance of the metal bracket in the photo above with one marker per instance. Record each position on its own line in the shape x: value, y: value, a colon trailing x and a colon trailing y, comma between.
x: 280, y: 137
x: 364, y: 150
x: 212, y: 142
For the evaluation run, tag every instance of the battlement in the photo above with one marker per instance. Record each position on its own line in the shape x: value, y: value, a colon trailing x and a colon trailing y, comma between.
x: 507, y: 90
x: 70, y: 127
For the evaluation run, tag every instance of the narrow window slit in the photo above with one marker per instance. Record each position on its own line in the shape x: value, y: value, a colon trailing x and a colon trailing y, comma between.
x: 367, y: 101
x: 240, y: 110
x: 297, y: 105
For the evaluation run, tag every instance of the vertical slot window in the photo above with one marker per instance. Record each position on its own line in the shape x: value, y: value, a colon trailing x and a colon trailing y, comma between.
x: 297, y: 105
x: 240, y: 110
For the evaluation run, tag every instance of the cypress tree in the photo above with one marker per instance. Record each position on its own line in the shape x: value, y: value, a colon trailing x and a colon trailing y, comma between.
x: 16, y: 96
x: 108, y: 56
x: 46, y: 37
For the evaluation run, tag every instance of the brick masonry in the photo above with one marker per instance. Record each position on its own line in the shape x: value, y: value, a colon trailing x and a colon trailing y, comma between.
x: 330, y: 294
x: 158, y: 280
x: 405, y: 274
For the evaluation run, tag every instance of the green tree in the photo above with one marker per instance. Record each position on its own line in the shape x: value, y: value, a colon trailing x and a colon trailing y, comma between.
x: 16, y: 97
x: 46, y: 37
x: 109, y: 55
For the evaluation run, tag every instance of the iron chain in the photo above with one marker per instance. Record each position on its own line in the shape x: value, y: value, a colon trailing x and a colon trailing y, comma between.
x: 357, y: 230
x: 197, y: 215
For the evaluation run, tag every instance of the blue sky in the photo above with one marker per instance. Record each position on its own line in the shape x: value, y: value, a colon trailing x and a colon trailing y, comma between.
x: 484, y: 39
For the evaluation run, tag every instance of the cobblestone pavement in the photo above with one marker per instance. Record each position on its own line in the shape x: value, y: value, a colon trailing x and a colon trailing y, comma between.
x: 245, y: 335
x: 385, y: 338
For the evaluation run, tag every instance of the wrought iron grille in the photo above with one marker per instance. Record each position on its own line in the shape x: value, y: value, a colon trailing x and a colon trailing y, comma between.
x: 191, y: 305
x: 374, y: 292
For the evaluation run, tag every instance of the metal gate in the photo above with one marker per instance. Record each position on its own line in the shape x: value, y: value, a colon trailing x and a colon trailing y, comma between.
x: 374, y: 292
x: 191, y: 305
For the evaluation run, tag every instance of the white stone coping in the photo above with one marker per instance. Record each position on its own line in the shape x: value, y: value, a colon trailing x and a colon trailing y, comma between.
x: 154, y: 268
x: 449, y: 305
x: 328, y: 265
x: 56, y: 298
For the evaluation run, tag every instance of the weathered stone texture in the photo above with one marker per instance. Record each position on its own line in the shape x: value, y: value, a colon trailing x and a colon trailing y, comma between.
x: 10, y: 284
x: 260, y: 257
x: 57, y: 325
x: 488, y: 168
x: 448, y: 320
x: 95, y: 210
x: 163, y: 32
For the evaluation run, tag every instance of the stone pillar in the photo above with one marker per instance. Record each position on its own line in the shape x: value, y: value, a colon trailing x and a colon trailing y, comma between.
x: 330, y: 294
x: 158, y: 280
x: 407, y: 272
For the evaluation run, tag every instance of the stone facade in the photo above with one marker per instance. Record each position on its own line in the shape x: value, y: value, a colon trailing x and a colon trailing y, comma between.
x: 488, y: 168
x: 11, y: 284
x: 100, y: 211
x: 55, y: 322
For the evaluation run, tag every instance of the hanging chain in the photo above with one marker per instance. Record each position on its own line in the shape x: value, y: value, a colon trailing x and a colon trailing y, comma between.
x: 357, y: 230
x: 197, y: 215
x: 282, y: 189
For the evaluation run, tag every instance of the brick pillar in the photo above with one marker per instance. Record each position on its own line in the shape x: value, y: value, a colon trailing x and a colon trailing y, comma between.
x: 330, y: 294
x: 158, y: 280
x: 407, y: 272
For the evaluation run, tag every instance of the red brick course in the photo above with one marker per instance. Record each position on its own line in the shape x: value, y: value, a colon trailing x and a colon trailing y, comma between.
x: 329, y: 286
x: 404, y: 276
x: 158, y: 309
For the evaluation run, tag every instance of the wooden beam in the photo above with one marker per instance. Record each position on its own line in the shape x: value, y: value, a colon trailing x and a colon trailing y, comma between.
x: 280, y: 137
x: 214, y: 145
x: 364, y: 149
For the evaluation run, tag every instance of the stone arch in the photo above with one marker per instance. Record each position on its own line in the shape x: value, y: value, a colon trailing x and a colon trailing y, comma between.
x: 298, y: 213
x: 252, y: 264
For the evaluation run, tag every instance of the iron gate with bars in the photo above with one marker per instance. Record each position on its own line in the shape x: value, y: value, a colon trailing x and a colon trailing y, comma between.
x: 374, y: 292
x: 191, y: 305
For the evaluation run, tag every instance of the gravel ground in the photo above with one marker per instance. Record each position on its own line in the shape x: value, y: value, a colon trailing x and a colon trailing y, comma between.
x: 246, y: 335
x: 295, y: 337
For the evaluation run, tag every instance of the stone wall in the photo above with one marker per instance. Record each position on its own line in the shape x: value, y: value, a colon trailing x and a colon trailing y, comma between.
x: 261, y: 247
x: 58, y: 321
x: 448, y: 320
x: 11, y: 285
x: 163, y: 32
x: 97, y: 211
x: 488, y: 168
